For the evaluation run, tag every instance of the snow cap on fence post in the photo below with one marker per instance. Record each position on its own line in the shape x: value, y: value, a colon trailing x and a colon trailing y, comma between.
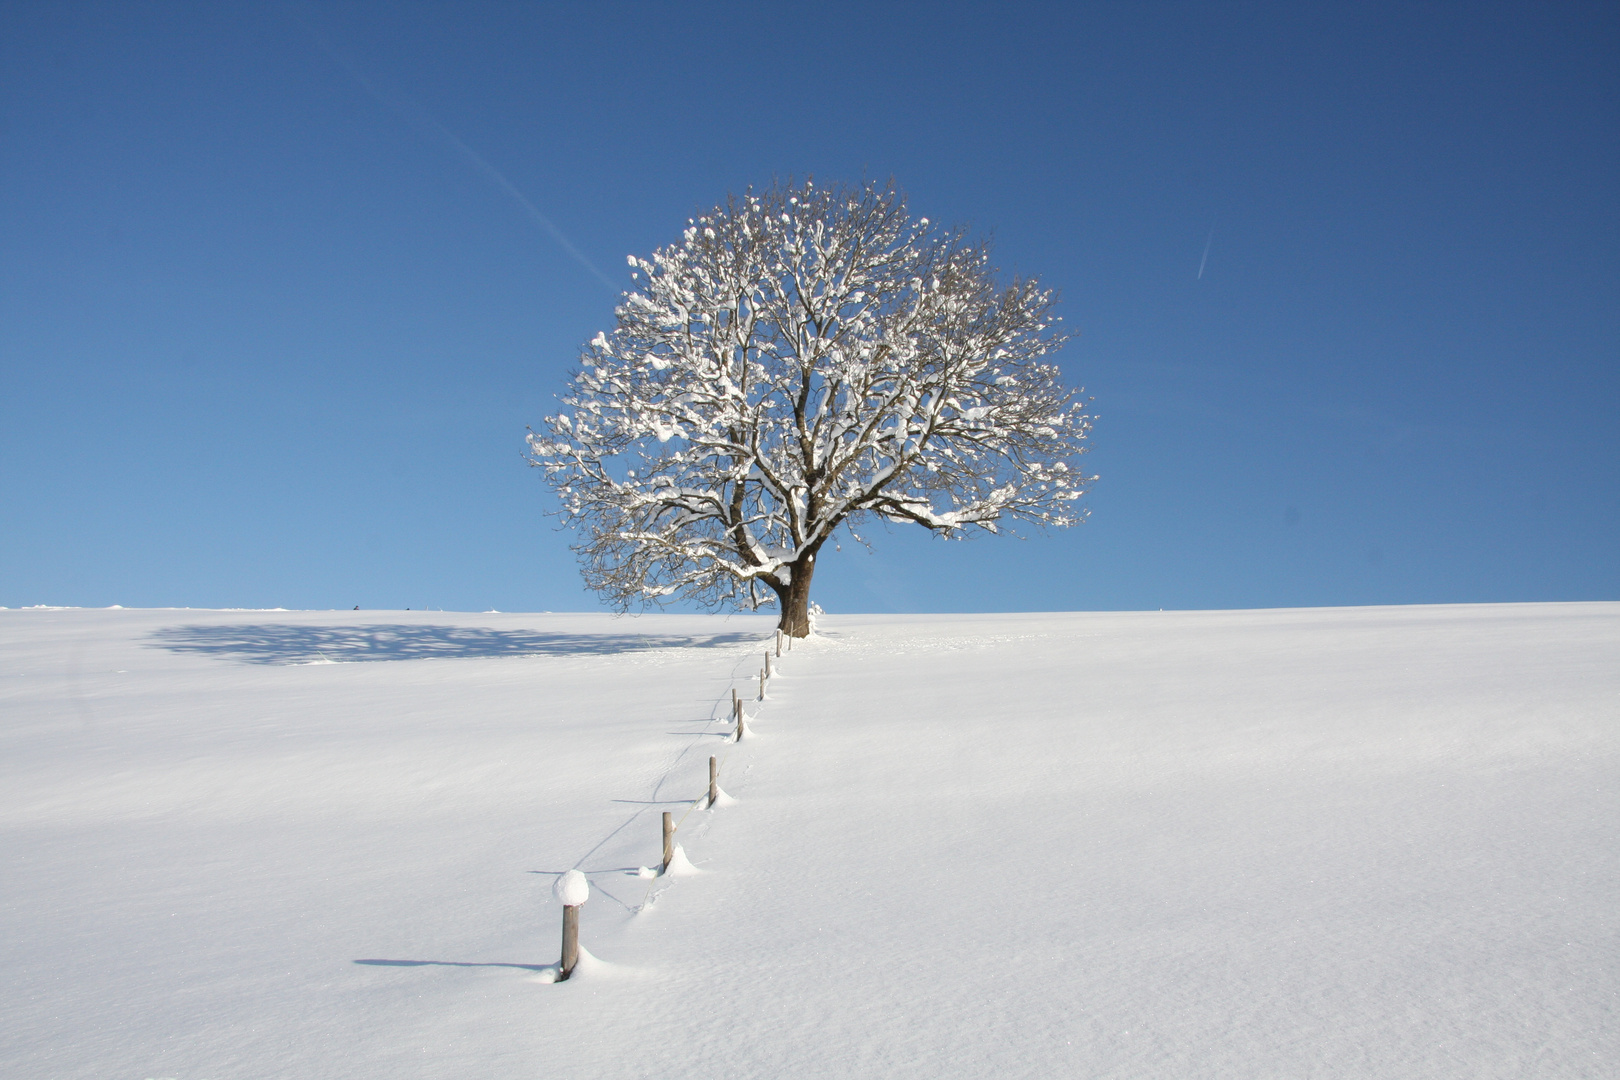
x: 572, y: 889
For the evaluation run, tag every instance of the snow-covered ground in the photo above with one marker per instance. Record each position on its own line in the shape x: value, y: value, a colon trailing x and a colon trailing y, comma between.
x: 1339, y: 842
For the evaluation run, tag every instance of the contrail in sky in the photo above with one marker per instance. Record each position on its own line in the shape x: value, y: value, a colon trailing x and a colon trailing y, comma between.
x: 1205, y: 259
x: 415, y: 115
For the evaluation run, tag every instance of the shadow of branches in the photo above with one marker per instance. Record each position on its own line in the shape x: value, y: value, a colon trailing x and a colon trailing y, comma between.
x: 281, y: 643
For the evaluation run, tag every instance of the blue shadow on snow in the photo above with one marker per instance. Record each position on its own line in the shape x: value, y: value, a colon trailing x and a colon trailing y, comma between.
x: 451, y: 963
x: 281, y: 643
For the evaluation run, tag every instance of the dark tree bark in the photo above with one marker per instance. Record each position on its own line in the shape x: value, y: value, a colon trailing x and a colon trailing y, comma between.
x: 794, y: 600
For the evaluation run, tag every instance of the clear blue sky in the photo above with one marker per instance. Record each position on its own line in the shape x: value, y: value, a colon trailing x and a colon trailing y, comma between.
x: 270, y: 334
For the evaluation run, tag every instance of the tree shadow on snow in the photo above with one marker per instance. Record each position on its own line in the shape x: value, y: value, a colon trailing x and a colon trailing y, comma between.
x: 452, y: 963
x: 281, y: 643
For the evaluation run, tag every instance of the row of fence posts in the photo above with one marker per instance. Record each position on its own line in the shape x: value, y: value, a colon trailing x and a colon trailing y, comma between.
x: 573, y: 886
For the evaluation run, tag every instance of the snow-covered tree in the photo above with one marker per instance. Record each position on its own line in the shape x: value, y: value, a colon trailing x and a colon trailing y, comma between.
x: 805, y: 359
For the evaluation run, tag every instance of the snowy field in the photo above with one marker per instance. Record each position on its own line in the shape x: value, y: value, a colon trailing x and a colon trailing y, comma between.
x: 1372, y: 842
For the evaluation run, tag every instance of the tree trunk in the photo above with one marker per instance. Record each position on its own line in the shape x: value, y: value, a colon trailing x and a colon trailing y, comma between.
x: 795, y: 599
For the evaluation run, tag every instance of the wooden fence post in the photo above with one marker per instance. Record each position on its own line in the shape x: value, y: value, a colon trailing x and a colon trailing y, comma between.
x: 779, y: 643
x: 741, y: 728
x: 768, y: 671
x: 669, y: 840
x: 572, y: 889
x: 762, y: 684
x: 714, y: 781
x: 570, y: 948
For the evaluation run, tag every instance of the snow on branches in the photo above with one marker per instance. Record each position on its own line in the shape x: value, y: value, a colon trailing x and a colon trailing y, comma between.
x: 803, y: 359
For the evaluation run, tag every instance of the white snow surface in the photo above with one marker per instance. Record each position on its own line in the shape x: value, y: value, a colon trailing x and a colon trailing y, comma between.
x: 1360, y: 842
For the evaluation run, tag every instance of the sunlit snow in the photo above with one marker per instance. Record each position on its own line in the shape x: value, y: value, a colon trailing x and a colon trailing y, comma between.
x: 1374, y: 842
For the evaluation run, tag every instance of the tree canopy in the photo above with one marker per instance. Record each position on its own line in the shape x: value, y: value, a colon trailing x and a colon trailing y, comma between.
x: 805, y: 359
